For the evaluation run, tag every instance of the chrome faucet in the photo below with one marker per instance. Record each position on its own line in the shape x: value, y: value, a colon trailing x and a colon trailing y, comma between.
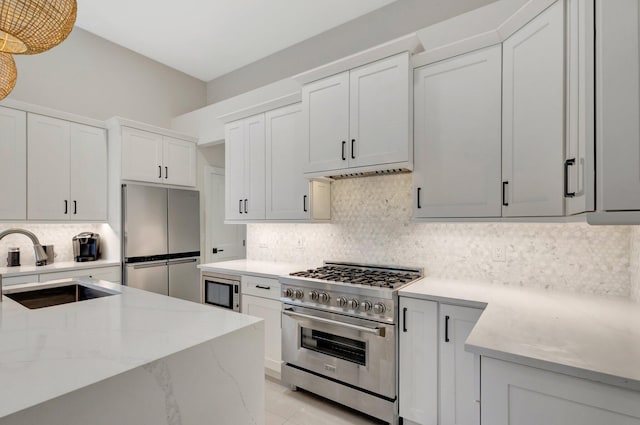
x: 40, y: 255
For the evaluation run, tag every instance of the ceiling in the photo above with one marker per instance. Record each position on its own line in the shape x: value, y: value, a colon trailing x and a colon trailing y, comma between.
x: 209, y: 38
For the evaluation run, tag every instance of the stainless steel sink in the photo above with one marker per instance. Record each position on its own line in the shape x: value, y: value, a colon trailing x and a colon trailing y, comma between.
x: 50, y: 295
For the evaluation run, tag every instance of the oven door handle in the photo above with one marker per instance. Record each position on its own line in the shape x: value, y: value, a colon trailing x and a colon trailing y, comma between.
x: 375, y: 331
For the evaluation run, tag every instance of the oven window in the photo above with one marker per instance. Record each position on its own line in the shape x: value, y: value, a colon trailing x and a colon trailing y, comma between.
x: 219, y: 294
x: 335, y: 346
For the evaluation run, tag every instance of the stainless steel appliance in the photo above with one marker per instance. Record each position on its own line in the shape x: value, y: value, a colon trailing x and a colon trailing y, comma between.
x: 221, y: 290
x: 339, y: 327
x: 86, y: 246
x: 161, y: 240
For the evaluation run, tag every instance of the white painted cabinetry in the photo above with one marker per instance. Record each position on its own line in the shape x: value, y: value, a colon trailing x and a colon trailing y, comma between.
x: 457, y: 169
x: 289, y: 195
x: 514, y: 394
x: 245, y: 169
x: 459, y: 369
x: 359, y: 119
x: 261, y: 298
x: 618, y: 104
x: 13, y: 164
x: 533, y: 117
x: 156, y: 158
x: 67, y: 170
x: 108, y: 273
x: 418, y: 360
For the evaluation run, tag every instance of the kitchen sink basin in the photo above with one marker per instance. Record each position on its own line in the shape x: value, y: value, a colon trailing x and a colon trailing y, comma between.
x: 69, y: 292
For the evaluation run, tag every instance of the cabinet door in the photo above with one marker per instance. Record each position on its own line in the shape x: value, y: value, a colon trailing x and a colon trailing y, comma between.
x: 141, y: 156
x: 325, y: 105
x: 459, y: 369
x: 580, y: 159
x: 88, y: 167
x: 513, y: 394
x: 49, y: 167
x: 458, y: 124
x: 270, y: 311
x: 418, y: 394
x: 179, y: 162
x: 287, y: 190
x: 13, y: 164
x: 379, y: 99
x: 533, y: 117
x: 618, y: 104
x: 254, y: 173
x: 234, y: 170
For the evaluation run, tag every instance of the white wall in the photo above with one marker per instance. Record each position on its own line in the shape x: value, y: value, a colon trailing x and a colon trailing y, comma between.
x: 371, y: 223
x: 392, y: 21
x: 93, y: 77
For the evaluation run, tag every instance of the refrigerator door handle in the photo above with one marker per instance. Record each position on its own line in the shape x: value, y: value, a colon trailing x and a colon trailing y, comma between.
x: 190, y: 260
x: 148, y: 265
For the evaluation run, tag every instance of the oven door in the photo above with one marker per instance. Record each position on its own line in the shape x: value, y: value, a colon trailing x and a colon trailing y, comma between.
x: 355, y: 351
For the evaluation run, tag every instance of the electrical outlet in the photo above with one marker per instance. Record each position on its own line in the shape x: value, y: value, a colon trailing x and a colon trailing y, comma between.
x: 500, y: 254
x: 300, y: 244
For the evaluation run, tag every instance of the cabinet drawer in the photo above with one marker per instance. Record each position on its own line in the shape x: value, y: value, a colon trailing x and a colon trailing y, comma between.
x: 111, y: 274
x: 15, y: 280
x: 261, y: 287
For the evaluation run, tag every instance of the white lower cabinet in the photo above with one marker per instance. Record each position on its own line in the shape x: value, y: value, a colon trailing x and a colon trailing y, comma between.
x: 418, y: 360
x: 260, y: 297
x: 459, y: 369
x: 439, y: 380
x: 513, y: 394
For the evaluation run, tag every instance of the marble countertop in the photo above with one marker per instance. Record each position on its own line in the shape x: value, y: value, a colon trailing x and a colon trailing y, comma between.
x: 588, y: 336
x: 55, y: 267
x: 267, y: 269
x: 48, y: 352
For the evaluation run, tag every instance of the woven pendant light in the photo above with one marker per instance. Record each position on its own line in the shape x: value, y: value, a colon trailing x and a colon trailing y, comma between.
x: 34, y: 26
x: 8, y: 74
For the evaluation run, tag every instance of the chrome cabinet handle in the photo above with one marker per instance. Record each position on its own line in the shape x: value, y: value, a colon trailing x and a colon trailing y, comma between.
x: 240, y: 206
x: 66, y: 206
x: 304, y: 203
x: 375, y: 331
x: 446, y: 328
x: 245, y: 206
x: 166, y: 172
x: 353, y: 155
x: 159, y: 171
x: 75, y: 207
x: 268, y: 288
x: 419, y: 204
x: 344, y: 144
x: 504, y: 194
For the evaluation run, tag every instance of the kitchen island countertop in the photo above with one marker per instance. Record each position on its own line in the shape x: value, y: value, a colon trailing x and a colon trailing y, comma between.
x: 588, y: 336
x: 55, y: 267
x: 49, y: 352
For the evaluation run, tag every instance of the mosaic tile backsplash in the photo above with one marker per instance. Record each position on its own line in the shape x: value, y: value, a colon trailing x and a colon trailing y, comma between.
x: 635, y: 263
x: 372, y: 224
x: 59, y: 235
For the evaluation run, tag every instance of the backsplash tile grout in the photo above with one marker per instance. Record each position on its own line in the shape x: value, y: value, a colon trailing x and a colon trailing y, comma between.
x: 372, y: 224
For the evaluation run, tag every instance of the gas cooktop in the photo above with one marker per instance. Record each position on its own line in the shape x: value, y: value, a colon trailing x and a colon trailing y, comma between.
x: 383, y: 277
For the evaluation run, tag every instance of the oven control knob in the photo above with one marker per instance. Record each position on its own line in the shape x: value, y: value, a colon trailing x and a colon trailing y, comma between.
x: 324, y: 297
x: 366, y: 306
x: 379, y: 308
x: 299, y: 294
x: 353, y: 304
x: 314, y: 295
x: 288, y: 293
x: 341, y: 301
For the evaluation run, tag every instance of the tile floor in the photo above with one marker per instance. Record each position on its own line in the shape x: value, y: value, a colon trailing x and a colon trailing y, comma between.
x: 286, y: 407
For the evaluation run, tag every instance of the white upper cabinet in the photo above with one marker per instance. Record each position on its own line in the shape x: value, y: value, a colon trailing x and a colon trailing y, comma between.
x: 618, y: 104
x: 458, y: 115
x: 533, y: 117
x: 289, y: 195
x: 88, y: 166
x: 155, y: 158
x: 245, y: 169
x: 67, y: 170
x: 359, y: 119
x: 325, y: 106
x: 379, y: 100
x: 13, y: 164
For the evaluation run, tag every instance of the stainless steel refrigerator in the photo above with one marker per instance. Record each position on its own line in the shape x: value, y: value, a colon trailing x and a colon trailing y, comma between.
x: 161, y: 240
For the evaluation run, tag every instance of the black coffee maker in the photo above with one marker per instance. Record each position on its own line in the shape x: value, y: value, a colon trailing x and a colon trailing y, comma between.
x: 86, y: 246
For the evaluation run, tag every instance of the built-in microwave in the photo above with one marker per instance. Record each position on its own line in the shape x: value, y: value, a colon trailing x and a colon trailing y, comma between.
x: 221, y: 290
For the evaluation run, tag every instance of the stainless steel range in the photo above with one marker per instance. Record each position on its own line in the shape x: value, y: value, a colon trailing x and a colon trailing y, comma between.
x: 339, y: 327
